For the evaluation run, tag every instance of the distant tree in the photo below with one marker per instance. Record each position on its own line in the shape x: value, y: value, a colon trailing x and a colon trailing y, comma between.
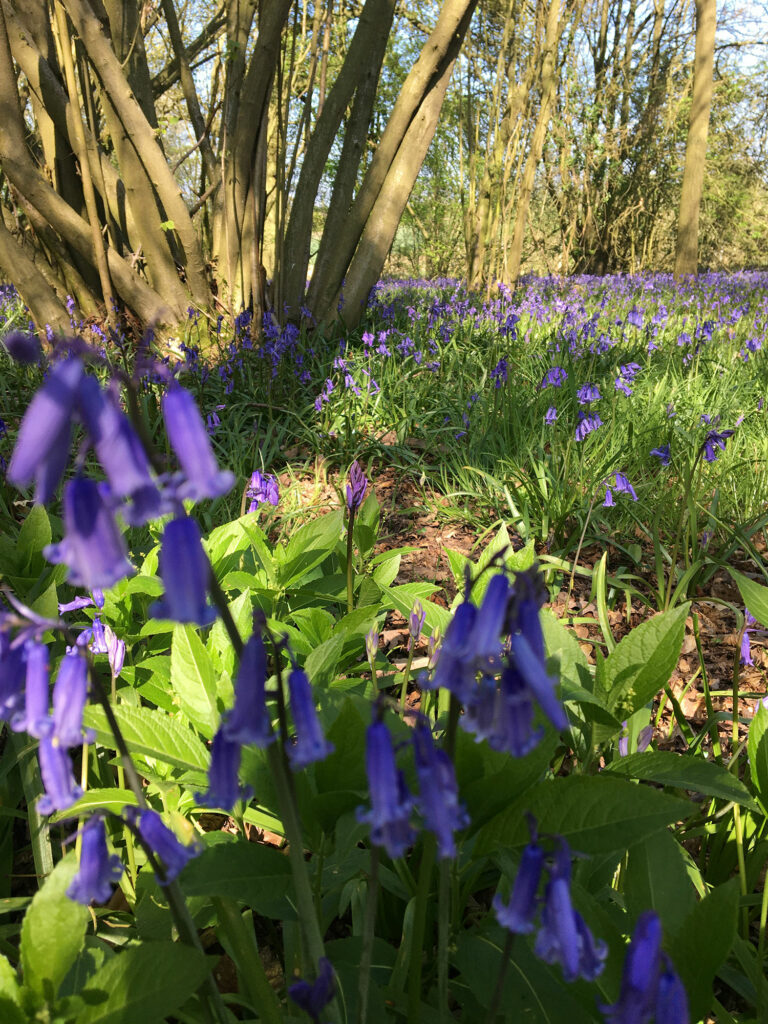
x: 94, y: 205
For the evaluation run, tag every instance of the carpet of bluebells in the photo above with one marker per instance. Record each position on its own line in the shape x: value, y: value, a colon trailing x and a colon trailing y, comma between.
x: 206, y: 744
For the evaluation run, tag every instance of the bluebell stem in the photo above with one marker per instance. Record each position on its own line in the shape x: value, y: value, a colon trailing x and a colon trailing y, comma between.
x: 438, y: 791
x: 93, y: 546
x: 163, y: 842
x: 564, y: 937
x: 185, y: 572
x: 357, y: 486
x: 391, y: 803
x: 519, y: 912
x: 61, y: 790
x: 36, y: 697
x: 714, y: 441
x: 42, y: 448
x: 99, y: 870
x: 311, y: 745
x: 248, y: 721
x: 313, y: 997
x: 70, y: 693
x: 223, y: 784
x: 189, y: 440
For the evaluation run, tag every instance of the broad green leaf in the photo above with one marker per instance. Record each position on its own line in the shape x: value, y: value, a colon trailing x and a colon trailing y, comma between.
x: 108, y: 799
x: 757, y: 749
x: 47, y: 604
x: 754, y: 595
x: 152, y: 733
x: 596, y: 814
x: 227, y: 540
x: 145, y: 983
x: 193, y: 678
x: 10, y: 995
x: 656, y: 878
x: 684, y: 771
x: 322, y: 661
x: 562, y: 645
x: 344, y: 769
x: 403, y: 598
x: 703, y: 942
x: 251, y: 873
x: 53, y: 932
x: 35, y: 533
x: 308, y: 547
x: 219, y: 645
x: 643, y: 662
x: 385, y: 573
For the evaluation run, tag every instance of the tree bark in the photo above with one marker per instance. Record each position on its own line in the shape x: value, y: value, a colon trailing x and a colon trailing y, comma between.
x: 686, y: 254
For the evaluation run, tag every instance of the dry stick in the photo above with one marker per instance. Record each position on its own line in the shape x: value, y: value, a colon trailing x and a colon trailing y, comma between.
x: 81, y: 151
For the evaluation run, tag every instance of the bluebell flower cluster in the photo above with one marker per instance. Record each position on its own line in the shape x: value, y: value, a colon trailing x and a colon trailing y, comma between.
x: 262, y: 490
x: 621, y: 485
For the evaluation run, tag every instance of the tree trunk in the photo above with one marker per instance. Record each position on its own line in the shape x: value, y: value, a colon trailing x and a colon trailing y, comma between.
x: 686, y: 254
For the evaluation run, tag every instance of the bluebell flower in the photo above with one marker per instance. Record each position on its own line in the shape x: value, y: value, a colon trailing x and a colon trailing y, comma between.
x: 564, y: 937
x: 391, y: 803
x: 438, y: 791
x: 311, y: 745
x: 663, y: 453
x: 357, y: 486
x: 99, y: 870
x: 746, y: 651
x: 115, y: 651
x: 456, y: 669
x: 642, y: 993
x: 61, y: 790
x: 13, y: 657
x: 34, y: 718
x: 416, y: 620
x: 45, y: 435
x: 518, y: 914
x: 185, y: 572
x: 262, y: 490
x: 587, y: 423
x: 174, y: 856
x: 555, y: 377
x: 248, y: 721
x: 23, y: 347
x: 587, y: 393
x: 485, y: 637
x: 621, y: 385
x: 189, y: 439
x: 93, y: 546
x: 70, y: 694
x: 635, y: 317
x: 371, y: 644
x: 629, y: 370
x: 551, y: 415
x: 224, y: 788
x: 312, y: 997
x: 714, y: 441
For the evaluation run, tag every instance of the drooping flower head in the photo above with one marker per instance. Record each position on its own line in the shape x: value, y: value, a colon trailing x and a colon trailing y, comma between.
x: 189, y: 439
x: 162, y: 841
x: 663, y: 453
x: 391, y: 803
x: 61, y: 790
x: 224, y: 788
x: 438, y: 791
x: 311, y: 745
x: 99, y: 870
x: 746, y: 650
x: 248, y: 721
x: 312, y: 997
x: 714, y: 442
x: 262, y: 490
x: 185, y: 572
x: 24, y: 348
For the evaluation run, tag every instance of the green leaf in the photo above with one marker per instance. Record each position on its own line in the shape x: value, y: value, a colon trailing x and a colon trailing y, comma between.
x: 596, y: 814
x: 643, y: 662
x: 193, y: 679
x: 250, y: 873
x: 108, y: 799
x: 152, y: 733
x: 47, y: 604
x: 684, y: 771
x: 35, y: 533
x: 144, y: 983
x: 344, y: 769
x: 53, y: 932
x: 703, y: 942
x: 385, y: 573
x: 322, y: 661
x: 757, y: 749
x: 754, y: 595
x: 656, y: 878
x: 403, y: 598
x: 308, y: 547
x: 10, y: 995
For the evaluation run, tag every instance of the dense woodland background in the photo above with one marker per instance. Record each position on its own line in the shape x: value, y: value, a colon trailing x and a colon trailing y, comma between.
x: 162, y: 155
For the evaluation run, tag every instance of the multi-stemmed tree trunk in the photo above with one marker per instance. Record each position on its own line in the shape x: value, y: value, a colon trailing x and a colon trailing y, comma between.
x: 91, y: 207
x: 686, y: 253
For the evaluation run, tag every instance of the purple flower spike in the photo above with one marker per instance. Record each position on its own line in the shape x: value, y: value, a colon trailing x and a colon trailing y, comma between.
x: 438, y: 791
x: 93, y: 546
x: 223, y: 783
x: 587, y: 393
x: 310, y: 744
x: 173, y: 854
x: 517, y: 915
x: 262, y: 490
x: 185, y: 571
x: 714, y: 442
x: 551, y: 415
x: 189, y: 439
x: 587, y: 423
x: 312, y: 997
x: 70, y: 693
x: 663, y: 453
x: 640, y: 980
x: 35, y: 716
x: 45, y: 435
x: 357, y: 486
x: 391, y: 803
x: 61, y: 790
x: 248, y: 721
x: 23, y: 348
x: 746, y: 650
x: 98, y: 870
